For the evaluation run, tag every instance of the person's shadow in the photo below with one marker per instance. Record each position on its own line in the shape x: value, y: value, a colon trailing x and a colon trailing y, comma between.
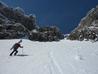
x: 22, y: 55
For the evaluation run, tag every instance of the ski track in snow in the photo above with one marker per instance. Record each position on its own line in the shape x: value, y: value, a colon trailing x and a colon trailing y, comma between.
x: 54, y: 64
x: 63, y: 57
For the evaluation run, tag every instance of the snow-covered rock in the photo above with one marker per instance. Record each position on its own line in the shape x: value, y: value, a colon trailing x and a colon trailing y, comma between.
x: 17, y: 15
x: 19, y: 10
x: 90, y: 20
x: 12, y: 16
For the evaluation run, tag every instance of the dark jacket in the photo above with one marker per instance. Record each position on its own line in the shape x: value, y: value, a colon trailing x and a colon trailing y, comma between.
x: 16, y: 46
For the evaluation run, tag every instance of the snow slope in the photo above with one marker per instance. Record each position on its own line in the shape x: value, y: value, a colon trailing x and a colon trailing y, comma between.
x: 64, y: 57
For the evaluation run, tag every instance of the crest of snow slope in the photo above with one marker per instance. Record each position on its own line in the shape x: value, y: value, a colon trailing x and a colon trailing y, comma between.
x: 64, y: 57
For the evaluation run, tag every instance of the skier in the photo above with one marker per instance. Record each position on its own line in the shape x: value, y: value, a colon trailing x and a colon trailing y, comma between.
x: 15, y: 47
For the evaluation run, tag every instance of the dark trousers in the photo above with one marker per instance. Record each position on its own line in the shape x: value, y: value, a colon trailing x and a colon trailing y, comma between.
x: 14, y: 51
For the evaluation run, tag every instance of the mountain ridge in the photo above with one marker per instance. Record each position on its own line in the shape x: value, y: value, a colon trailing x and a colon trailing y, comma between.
x: 87, y: 28
x: 14, y: 23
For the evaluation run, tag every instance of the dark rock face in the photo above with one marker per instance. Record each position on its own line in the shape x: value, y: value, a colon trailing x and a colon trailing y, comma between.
x: 51, y: 33
x: 12, y: 31
x: 14, y: 23
x: 87, y: 28
x: 18, y: 16
x: 88, y: 34
x: 2, y: 28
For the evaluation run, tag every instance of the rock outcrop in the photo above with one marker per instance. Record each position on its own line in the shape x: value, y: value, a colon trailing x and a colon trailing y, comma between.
x: 51, y: 33
x: 12, y: 31
x: 87, y: 28
x: 17, y: 15
x: 14, y: 23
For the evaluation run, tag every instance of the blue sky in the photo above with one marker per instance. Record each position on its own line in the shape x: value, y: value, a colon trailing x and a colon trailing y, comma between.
x: 66, y: 14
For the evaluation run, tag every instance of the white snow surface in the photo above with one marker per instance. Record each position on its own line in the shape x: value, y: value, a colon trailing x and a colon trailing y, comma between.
x: 63, y: 57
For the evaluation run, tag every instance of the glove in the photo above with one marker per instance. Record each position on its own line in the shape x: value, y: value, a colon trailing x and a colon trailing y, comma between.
x: 21, y: 46
x: 11, y: 48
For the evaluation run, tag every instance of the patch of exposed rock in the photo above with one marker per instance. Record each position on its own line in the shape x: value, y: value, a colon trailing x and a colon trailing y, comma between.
x: 14, y: 24
x: 87, y: 28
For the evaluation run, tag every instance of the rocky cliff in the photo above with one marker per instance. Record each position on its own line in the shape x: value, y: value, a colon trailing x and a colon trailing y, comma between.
x: 87, y: 28
x: 14, y: 23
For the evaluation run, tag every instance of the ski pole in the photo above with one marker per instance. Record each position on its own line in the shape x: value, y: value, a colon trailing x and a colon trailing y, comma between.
x: 22, y: 50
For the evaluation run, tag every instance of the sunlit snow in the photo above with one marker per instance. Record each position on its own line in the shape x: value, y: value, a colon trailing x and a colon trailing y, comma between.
x: 63, y: 57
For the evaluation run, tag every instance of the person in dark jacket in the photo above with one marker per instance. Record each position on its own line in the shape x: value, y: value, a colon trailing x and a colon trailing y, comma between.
x: 15, y: 47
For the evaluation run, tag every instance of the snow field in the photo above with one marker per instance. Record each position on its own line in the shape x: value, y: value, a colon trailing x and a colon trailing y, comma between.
x: 63, y: 57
